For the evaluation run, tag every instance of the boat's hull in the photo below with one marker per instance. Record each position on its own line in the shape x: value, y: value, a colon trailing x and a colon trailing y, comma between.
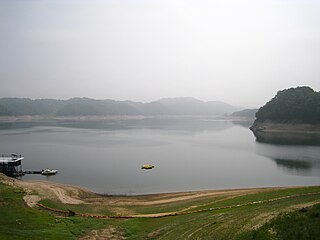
x: 49, y: 173
x: 147, y: 167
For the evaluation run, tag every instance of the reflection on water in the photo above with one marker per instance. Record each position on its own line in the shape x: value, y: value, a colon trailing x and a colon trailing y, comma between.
x: 294, y: 166
x: 169, y: 124
x: 294, y: 153
x: 245, y: 123
x: 188, y: 154
x: 299, y: 160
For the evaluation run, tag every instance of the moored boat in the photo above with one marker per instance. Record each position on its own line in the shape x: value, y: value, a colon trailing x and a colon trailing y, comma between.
x: 48, y: 171
x: 147, y: 166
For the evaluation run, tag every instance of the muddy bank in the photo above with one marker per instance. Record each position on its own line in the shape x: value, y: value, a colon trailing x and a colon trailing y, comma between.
x: 288, y: 133
x: 68, y: 194
x: 289, y: 127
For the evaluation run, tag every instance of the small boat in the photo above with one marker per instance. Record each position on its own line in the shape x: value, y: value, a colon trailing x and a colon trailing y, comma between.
x: 147, y: 166
x: 49, y: 172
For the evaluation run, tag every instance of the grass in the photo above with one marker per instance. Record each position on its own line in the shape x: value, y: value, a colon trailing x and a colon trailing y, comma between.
x: 79, y: 208
x: 303, y: 224
x: 218, y: 224
x: 177, y: 206
x: 20, y: 222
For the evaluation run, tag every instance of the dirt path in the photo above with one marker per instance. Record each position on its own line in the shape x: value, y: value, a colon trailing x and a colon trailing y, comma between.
x: 37, y: 190
x: 65, y: 194
x: 185, y: 196
x: 108, y: 233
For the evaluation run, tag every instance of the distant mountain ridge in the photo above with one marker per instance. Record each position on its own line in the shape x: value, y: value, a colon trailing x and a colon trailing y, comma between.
x: 94, y: 107
x: 246, y: 113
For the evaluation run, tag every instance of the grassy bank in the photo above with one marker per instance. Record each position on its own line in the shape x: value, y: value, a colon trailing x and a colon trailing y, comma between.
x: 217, y: 224
x: 303, y: 224
x: 239, y: 221
x: 18, y: 221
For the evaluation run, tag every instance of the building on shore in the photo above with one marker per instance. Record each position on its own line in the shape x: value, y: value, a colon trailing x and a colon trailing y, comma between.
x: 11, y: 165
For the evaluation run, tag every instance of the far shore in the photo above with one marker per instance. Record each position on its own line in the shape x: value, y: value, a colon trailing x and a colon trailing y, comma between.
x: 34, y: 118
x: 39, y: 118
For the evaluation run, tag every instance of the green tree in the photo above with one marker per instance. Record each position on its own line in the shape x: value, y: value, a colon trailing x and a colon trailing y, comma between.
x: 295, y: 104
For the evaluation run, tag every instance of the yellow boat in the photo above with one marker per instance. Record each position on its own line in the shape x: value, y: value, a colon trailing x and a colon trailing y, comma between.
x: 147, y: 166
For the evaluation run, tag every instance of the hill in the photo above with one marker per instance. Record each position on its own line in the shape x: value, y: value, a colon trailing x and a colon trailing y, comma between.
x: 93, y: 107
x: 246, y: 113
x: 26, y: 106
x: 301, y: 104
x: 87, y: 107
x: 291, y: 117
x: 192, y: 106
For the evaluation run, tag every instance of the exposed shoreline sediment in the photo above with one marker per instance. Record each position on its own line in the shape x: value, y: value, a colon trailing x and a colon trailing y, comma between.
x: 286, y: 127
x: 69, y: 194
x: 286, y: 133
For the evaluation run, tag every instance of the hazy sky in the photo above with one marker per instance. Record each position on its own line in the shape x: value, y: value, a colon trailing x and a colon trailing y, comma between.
x: 240, y: 52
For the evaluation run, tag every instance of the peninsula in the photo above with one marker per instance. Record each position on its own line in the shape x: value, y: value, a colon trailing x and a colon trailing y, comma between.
x: 293, y: 115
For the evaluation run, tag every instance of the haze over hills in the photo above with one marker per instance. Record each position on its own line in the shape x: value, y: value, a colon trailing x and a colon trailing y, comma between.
x: 90, y: 107
x: 246, y: 113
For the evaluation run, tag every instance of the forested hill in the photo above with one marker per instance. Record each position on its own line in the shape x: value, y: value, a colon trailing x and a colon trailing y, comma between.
x: 246, y: 113
x: 93, y: 107
x: 301, y: 104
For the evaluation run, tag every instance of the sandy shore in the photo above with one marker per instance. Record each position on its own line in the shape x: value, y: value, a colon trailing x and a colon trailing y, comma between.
x: 68, y: 194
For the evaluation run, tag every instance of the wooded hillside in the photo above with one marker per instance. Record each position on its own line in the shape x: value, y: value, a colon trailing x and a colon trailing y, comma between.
x: 301, y: 104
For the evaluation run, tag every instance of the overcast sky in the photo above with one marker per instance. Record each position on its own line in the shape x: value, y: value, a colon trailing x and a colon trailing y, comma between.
x: 240, y: 52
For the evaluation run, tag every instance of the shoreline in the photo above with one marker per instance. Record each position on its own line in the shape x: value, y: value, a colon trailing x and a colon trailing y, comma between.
x: 73, y: 194
x: 289, y: 127
x: 251, y: 208
x: 286, y: 133
x: 40, y: 118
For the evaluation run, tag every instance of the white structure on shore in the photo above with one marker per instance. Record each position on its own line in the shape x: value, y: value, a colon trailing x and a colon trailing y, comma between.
x: 11, y: 164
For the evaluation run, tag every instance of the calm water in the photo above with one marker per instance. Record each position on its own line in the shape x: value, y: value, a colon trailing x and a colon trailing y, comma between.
x: 189, y: 154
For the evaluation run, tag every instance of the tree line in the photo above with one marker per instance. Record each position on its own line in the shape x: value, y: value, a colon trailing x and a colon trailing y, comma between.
x: 301, y: 104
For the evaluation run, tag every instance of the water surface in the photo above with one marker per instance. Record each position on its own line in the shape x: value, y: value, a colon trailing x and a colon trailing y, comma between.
x: 189, y: 154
